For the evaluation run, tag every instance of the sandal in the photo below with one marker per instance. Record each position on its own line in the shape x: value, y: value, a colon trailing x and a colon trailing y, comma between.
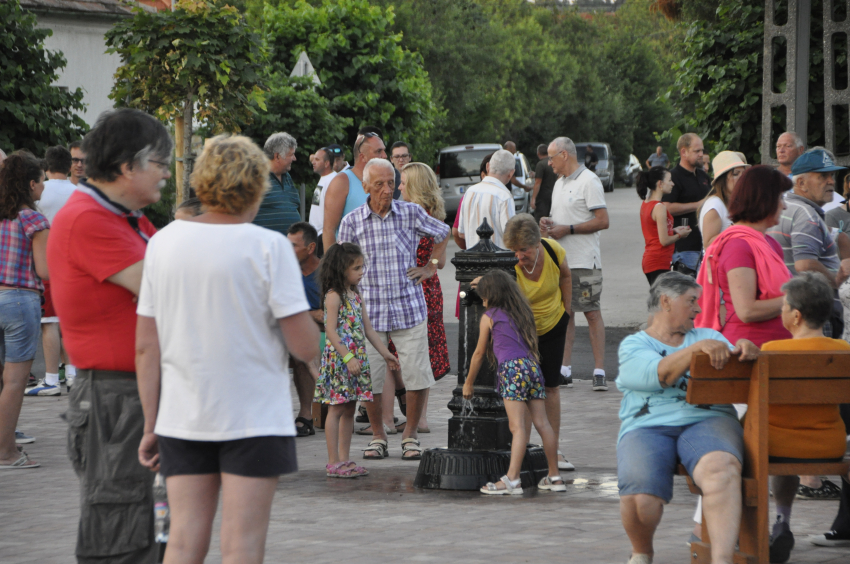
x: 378, y: 446
x: 403, y: 425
x: 564, y: 464
x: 411, y: 445
x: 22, y: 463
x: 362, y: 416
x: 356, y: 470
x: 339, y: 470
x: 552, y: 484
x: 306, y: 429
x: 827, y: 490
x: 511, y: 488
x: 367, y: 430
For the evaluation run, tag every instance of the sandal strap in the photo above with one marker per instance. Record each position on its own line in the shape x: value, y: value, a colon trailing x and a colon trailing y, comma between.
x: 411, y: 444
x: 509, y: 485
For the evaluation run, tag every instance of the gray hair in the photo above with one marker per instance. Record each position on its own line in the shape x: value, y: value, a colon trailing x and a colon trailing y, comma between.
x: 670, y: 284
x: 811, y: 295
x: 565, y: 144
x: 380, y: 163
x: 798, y: 141
x: 280, y: 143
x: 502, y: 162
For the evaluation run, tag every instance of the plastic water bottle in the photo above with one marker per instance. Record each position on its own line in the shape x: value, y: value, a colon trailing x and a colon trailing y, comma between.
x: 162, y: 520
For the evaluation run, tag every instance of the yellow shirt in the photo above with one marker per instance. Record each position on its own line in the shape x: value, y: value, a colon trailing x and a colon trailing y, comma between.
x: 806, y: 431
x: 547, y: 303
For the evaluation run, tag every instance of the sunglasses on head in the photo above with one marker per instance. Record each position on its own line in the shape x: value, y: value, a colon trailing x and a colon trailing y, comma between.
x: 335, y: 150
x: 362, y: 139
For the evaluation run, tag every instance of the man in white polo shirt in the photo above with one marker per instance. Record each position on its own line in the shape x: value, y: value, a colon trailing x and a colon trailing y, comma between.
x: 578, y: 215
x: 490, y: 199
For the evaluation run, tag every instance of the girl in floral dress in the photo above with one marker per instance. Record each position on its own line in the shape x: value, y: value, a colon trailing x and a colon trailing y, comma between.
x: 344, y: 377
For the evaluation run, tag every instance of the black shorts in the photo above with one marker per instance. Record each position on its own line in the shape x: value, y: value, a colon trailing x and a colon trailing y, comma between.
x: 253, y: 457
x: 550, y: 345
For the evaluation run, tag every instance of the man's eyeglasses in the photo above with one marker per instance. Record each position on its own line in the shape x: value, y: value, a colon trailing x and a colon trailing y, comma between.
x: 164, y: 166
x: 399, y: 157
x: 77, y: 161
x: 555, y: 155
x: 362, y: 139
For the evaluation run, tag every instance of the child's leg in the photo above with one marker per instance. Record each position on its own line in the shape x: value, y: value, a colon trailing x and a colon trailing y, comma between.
x: 332, y: 432
x: 541, y: 423
x: 517, y: 413
x: 346, y: 425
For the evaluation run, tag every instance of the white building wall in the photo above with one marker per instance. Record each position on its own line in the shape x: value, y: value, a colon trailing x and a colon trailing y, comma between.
x: 82, y: 42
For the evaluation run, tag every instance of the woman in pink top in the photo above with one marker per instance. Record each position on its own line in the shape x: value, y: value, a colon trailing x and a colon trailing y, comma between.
x: 745, y: 270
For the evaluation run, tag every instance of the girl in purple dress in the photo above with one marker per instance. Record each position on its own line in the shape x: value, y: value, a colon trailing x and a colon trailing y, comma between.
x: 519, y: 380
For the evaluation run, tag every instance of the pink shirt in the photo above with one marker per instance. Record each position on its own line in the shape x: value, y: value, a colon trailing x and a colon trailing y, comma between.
x: 738, y: 254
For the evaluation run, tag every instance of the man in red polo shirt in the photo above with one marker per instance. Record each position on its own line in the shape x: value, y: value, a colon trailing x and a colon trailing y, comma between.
x: 95, y: 255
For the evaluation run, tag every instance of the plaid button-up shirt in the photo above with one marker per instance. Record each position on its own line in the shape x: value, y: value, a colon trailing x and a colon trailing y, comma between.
x: 389, y: 245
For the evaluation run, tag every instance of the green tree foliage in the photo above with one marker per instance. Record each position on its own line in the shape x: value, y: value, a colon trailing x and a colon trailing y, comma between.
x: 368, y: 77
x: 33, y: 114
x: 200, y: 60
x: 296, y: 106
x: 717, y: 92
x: 718, y: 88
x: 509, y: 69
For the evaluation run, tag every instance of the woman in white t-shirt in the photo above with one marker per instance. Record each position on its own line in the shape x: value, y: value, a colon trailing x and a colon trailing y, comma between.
x: 713, y: 218
x: 218, y: 318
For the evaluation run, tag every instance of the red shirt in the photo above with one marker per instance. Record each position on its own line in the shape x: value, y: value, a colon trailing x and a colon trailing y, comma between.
x: 738, y: 254
x: 89, y: 243
x: 655, y: 256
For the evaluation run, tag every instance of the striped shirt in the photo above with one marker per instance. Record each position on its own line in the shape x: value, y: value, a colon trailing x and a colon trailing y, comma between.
x: 488, y: 199
x: 280, y: 207
x: 803, y: 234
x: 393, y: 302
x: 17, y: 269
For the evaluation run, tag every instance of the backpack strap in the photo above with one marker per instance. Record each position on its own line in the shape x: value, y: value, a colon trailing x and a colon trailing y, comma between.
x: 551, y: 252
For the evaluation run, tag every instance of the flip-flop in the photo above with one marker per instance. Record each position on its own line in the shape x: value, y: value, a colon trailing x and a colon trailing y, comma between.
x: 22, y: 463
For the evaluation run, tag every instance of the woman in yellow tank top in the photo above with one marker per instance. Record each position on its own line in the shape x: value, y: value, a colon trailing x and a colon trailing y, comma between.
x: 543, y: 276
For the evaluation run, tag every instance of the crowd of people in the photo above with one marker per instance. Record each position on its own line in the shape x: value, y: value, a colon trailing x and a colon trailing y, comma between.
x: 760, y: 259
x: 749, y: 260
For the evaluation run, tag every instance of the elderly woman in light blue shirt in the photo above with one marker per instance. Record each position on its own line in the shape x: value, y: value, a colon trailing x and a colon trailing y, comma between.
x: 659, y: 428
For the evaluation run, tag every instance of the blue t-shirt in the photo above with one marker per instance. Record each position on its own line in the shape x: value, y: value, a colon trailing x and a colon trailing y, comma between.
x: 311, y: 288
x: 645, y: 403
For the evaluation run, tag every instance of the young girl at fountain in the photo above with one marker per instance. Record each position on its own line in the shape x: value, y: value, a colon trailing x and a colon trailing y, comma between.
x: 344, y: 377
x: 510, y: 323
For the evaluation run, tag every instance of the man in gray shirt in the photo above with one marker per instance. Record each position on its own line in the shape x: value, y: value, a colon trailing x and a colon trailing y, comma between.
x: 658, y: 158
x: 807, y: 243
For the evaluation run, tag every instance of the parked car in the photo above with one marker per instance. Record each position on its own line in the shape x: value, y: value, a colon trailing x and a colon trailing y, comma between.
x: 458, y: 168
x: 605, y: 167
x: 631, y: 170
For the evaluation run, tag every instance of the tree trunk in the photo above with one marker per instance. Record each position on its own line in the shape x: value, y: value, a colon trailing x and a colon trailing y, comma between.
x: 178, y: 157
x: 188, y: 157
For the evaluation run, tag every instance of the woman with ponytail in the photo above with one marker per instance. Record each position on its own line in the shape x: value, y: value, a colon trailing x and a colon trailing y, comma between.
x: 657, y: 223
x: 23, y: 263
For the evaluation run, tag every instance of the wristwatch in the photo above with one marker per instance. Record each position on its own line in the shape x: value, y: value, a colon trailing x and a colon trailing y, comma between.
x: 572, y: 229
x: 435, y: 262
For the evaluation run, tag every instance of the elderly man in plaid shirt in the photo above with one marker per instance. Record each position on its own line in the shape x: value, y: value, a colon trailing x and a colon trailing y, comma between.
x: 388, y: 232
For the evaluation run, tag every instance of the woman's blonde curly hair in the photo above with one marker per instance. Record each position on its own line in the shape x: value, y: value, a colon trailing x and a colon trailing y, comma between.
x: 422, y: 188
x: 231, y: 174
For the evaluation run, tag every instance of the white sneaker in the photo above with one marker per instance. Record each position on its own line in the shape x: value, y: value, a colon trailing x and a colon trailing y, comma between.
x: 42, y: 389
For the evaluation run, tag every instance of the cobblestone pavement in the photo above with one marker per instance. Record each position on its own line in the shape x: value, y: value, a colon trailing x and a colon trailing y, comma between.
x: 382, y: 518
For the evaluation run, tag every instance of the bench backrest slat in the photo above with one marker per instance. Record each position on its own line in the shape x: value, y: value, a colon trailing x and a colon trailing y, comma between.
x: 711, y: 392
x: 816, y: 364
x: 809, y: 391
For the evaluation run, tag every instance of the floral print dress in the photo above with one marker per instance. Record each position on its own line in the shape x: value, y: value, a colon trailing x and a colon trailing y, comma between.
x: 336, y: 385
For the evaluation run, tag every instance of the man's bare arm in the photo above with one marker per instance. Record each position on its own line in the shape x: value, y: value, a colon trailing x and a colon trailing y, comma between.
x: 129, y: 278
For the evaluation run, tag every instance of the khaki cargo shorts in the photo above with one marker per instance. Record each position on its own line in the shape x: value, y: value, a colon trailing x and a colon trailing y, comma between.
x: 587, y: 289
x: 413, y: 356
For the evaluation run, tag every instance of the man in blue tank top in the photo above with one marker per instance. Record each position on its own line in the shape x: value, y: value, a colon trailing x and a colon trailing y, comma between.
x: 345, y: 192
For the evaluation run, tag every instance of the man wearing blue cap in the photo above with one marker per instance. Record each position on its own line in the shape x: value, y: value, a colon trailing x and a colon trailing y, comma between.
x: 807, y: 242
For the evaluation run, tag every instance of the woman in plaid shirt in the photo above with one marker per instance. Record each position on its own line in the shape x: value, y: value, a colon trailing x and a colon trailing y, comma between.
x: 23, y: 263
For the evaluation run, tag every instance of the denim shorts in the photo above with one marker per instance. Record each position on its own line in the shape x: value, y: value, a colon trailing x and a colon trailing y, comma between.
x: 647, y: 457
x: 20, y: 325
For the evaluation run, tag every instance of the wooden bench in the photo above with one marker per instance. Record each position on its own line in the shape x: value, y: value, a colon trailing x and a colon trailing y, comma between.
x: 775, y: 378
